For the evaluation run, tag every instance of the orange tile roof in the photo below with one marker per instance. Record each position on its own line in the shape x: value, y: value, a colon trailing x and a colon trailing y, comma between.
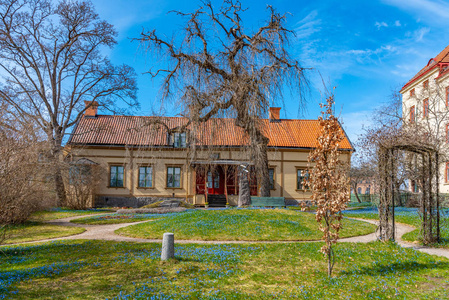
x: 144, y: 131
x: 441, y: 58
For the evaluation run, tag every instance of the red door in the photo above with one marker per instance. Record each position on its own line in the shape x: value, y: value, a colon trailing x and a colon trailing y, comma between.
x: 215, y: 181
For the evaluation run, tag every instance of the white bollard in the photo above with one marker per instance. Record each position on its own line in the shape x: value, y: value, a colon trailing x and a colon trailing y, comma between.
x: 168, y: 246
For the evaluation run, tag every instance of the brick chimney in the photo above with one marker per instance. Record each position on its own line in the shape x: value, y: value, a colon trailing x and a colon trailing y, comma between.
x: 91, y: 109
x: 274, y: 113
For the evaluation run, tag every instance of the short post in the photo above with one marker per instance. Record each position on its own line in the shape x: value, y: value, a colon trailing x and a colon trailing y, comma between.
x: 168, y: 246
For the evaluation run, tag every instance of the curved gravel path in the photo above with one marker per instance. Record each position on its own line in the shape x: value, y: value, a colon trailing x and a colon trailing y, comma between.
x: 107, y: 232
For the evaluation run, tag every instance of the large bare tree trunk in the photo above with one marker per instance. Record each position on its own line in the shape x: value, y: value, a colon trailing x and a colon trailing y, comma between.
x: 57, y: 171
x: 357, y: 195
x: 262, y: 170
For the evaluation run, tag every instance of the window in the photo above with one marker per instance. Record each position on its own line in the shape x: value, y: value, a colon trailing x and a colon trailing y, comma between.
x: 302, y: 177
x: 271, y: 177
x: 173, y: 177
x: 213, y: 182
x: 415, y: 188
x: 412, y: 114
x: 79, y: 174
x: 412, y: 92
x: 447, y: 133
x: 178, y: 139
x: 425, y: 84
x: 447, y: 96
x: 116, y: 176
x: 146, y: 177
x: 425, y: 108
x: 359, y: 190
x: 367, y: 190
x: 447, y: 172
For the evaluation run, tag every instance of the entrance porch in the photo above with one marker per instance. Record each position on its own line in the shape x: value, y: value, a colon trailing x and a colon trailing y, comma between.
x: 217, y: 183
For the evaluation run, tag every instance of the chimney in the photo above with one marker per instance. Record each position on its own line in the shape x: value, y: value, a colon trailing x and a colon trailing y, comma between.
x: 274, y: 114
x: 91, y: 108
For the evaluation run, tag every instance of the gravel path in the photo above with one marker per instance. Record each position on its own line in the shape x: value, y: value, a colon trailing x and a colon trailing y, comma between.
x: 106, y: 232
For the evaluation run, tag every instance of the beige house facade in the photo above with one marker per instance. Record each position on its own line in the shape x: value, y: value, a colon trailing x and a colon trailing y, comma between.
x: 141, y: 163
x: 425, y: 101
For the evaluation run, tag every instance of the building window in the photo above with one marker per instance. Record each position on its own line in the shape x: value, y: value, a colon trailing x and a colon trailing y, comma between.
x: 447, y: 96
x: 425, y: 108
x: 412, y: 92
x: 173, y: 177
x: 213, y: 181
x: 302, y: 178
x: 359, y: 190
x: 447, y: 172
x: 146, y: 177
x: 412, y: 114
x: 415, y: 187
x: 178, y: 139
x: 271, y: 177
x: 367, y: 190
x: 116, y: 176
x: 447, y: 133
x: 425, y: 84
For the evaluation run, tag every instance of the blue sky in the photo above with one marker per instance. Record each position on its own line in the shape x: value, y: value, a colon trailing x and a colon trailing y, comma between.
x: 366, y: 49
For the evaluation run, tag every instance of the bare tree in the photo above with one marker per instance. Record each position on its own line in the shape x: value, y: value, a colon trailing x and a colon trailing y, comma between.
x: 328, y: 180
x: 51, y: 62
x: 82, y: 178
x: 221, y: 68
x: 363, y: 171
x: 24, y: 189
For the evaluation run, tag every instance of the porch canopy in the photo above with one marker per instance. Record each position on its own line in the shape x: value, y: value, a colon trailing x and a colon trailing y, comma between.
x: 222, y: 162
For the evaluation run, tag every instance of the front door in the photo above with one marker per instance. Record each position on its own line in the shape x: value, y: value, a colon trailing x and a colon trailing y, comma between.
x: 215, y: 181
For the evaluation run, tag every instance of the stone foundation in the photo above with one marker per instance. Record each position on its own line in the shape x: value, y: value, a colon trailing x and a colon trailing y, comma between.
x: 135, y: 202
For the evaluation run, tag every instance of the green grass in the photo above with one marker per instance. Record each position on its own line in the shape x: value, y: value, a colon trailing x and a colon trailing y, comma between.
x: 60, y: 213
x: 115, y: 219
x: 241, y: 224
x: 412, y: 219
x: 35, y: 231
x: 362, y: 204
x: 111, y: 270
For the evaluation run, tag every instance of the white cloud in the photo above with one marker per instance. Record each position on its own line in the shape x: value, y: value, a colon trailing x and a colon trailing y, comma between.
x: 420, y: 33
x: 397, y: 23
x: 308, y: 25
x: 379, y: 25
x: 436, y: 9
x: 368, y: 52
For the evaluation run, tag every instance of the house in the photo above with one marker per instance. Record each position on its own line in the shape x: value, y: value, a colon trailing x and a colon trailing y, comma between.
x: 425, y: 101
x: 143, y: 164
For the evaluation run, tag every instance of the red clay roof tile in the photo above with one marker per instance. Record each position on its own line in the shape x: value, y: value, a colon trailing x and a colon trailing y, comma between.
x: 144, y: 131
x: 442, y: 57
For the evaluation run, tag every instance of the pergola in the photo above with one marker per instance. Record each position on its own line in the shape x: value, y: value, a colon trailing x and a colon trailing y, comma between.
x: 427, y: 174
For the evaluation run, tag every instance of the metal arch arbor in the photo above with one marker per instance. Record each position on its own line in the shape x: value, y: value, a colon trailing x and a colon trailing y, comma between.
x: 389, y: 190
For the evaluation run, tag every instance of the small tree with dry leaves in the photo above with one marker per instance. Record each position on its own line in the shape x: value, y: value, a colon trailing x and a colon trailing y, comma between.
x: 328, y: 180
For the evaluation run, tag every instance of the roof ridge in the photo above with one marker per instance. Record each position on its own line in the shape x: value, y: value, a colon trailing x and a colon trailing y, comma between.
x: 170, y: 117
x: 439, y: 58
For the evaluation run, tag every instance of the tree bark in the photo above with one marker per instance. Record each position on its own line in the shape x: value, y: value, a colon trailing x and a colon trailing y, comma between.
x: 57, y: 171
x: 262, y: 171
x: 357, y: 195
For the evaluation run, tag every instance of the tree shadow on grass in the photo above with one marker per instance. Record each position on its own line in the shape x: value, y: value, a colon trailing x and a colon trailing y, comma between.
x: 385, y: 269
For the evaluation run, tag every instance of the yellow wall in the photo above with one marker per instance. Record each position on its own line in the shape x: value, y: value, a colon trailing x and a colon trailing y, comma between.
x: 284, y: 161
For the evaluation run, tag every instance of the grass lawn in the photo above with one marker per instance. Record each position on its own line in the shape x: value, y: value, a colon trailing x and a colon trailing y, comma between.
x: 111, y: 270
x: 116, y: 218
x: 241, y: 224
x: 34, y: 231
x: 408, y: 216
x: 60, y: 213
